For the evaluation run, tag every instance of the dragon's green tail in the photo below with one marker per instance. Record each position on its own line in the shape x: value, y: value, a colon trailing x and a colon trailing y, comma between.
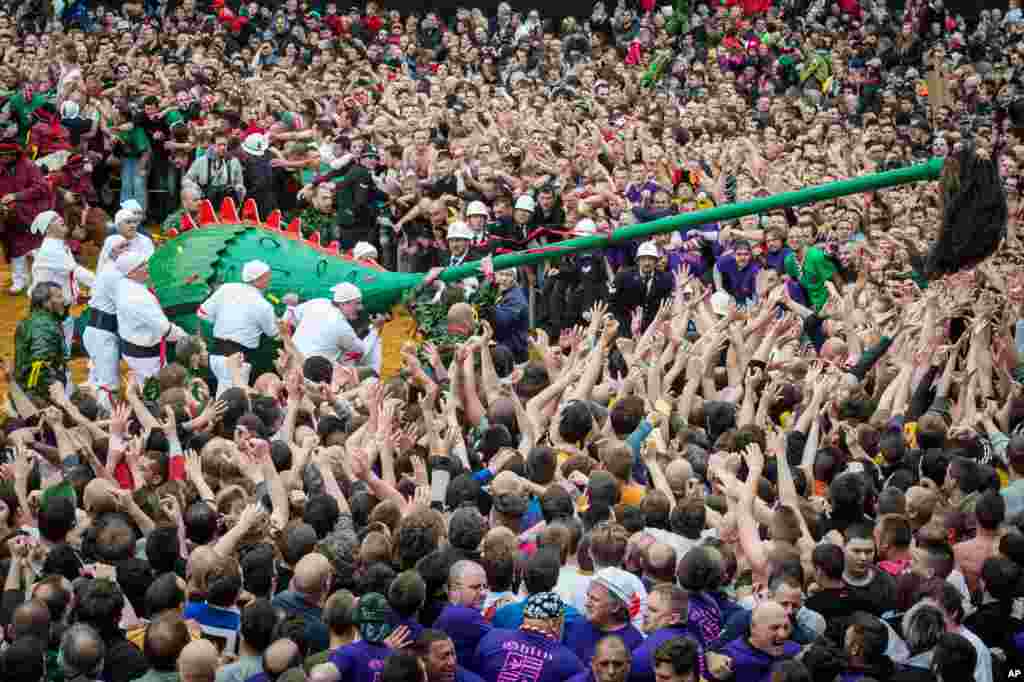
x: 187, y: 268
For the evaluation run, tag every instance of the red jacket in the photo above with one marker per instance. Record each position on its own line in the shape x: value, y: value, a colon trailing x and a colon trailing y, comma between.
x: 32, y: 196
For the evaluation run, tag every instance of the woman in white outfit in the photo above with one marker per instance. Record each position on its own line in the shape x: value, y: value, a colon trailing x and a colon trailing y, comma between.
x: 100, y: 336
x: 127, y: 222
x: 55, y: 263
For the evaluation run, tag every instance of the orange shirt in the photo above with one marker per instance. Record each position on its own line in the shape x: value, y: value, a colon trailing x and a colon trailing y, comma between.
x: 633, y: 494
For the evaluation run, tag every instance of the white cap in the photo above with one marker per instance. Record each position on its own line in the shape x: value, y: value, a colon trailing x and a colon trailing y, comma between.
x: 346, y: 292
x: 459, y: 230
x: 364, y: 250
x: 255, y: 144
x: 253, y: 270
x: 42, y: 222
x: 585, y: 227
x: 525, y: 203
x: 130, y: 261
x: 648, y: 249
x: 476, y: 208
x: 132, y: 205
x: 125, y: 214
x: 720, y: 302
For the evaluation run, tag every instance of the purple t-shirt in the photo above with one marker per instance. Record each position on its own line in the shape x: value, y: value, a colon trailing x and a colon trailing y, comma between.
x: 360, y: 661
x: 643, y: 655
x: 583, y: 638
x: 465, y: 626
x: 753, y: 665
x: 520, y: 656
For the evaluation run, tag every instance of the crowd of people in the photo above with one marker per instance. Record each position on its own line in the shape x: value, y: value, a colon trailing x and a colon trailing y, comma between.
x: 788, y: 447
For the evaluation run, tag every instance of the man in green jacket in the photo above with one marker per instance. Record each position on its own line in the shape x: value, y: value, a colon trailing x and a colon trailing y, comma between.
x: 39, y: 348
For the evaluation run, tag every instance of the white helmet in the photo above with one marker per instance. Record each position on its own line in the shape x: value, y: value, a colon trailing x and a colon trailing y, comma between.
x: 476, y: 208
x: 364, y: 250
x: 585, y: 228
x: 648, y: 249
x: 346, y: 292
x: 525, y: 203
x: 459, y: 230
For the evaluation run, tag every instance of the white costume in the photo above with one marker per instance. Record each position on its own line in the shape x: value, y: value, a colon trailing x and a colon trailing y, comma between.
x: 240, y: 315
x: 323, y: 330
x: 141, y: 322
x: 141, y: 244
x: 100, y: 336
x: 55, y: 263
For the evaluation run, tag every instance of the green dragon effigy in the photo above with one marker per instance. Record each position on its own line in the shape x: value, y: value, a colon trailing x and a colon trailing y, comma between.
x: 211, y: 249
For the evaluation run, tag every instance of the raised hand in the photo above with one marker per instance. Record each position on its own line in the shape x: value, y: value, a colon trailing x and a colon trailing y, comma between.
x: 754, y: 457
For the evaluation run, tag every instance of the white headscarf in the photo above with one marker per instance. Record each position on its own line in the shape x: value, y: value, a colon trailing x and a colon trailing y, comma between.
x: 42, y: 222
x: 123, y: 215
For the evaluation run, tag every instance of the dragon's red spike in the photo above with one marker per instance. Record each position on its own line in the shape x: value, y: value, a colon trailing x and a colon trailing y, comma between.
x: 313, y: 239
x: 228, y: 211
x: 334, y: 248
x: 187, y: 222
x: 207, y: 216
x: 172, y: 233
x: 250, y: 211
x: 295, y: 227
x: 274, y: 220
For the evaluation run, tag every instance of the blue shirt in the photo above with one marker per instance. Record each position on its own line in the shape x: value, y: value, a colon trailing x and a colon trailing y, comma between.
x: 510, y: 616
x: 220, y: 625
x: 525, y: 657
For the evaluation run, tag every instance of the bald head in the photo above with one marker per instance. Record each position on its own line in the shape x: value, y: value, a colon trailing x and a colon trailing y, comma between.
x: 32, y: 619
x: 660, y: 563
x: 198, y: 662
x: 312, y: 574
x: 98, y: 496
x: 920, y: 503
x: 678, y: 472
x: 201, y: 563
x: 770, y: 628
x: 324, y: 672
x: 166, y: 637
x: 280, y: 656
x: 461, y: 316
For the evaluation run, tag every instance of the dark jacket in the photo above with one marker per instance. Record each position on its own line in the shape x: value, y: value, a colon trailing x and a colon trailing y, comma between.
x: 631, y: 293
x: 294, y: 604
x: 352, y: 198
x: 39, y: 353
x: 512, y: 322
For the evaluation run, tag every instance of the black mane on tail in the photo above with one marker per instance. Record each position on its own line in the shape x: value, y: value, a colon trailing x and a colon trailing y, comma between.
x: 974, y: 213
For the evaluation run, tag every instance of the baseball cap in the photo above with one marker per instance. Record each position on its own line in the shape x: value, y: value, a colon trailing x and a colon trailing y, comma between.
x: 618, y: 582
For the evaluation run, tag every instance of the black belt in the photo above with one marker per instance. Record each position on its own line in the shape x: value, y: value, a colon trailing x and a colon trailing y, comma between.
x: 228, y: 347
x: 104, y: 321
x: 130, y: 350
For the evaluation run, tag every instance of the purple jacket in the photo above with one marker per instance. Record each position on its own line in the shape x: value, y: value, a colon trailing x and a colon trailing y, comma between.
x: 753, y: 665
